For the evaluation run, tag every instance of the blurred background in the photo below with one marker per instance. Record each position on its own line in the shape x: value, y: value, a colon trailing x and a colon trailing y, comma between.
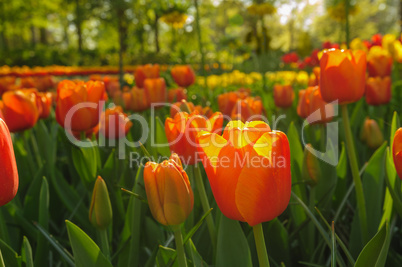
x: 94, y: 32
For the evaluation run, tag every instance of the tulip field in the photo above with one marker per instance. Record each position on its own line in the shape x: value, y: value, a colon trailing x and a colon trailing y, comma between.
x: 250, y: 155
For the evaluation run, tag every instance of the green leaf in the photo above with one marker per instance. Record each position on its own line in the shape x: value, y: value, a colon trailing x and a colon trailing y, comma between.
x: 10, y: 257
x: 85, y: 161
x: 373, y: 186
x: 376, y: 250
x: 161, y: 139
x: 27, y: 253
x: 86, y: 252
x: 277, y: 240
x: 394, y: 126
x: 42, y: 249
x: 56, y: 245
x: 232, y: 247
x: 296, y: 150
x: 342, y: 167
x: 164, y: 255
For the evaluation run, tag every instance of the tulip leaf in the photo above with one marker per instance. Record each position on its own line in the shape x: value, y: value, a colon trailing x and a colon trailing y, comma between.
x: 86, y: 252
x: 164, y: 255
x: 42, y: 248
x: 27, y: 253
x: 277, y: 240
x: 342, y: 167
x: 296, y: 151
x: 162, y: 144
x: 69, y: 198
x: 85, y: 161
x: 376, y: 251
x: 232, y: 247
x: 10, y: 257
x: 373, y: 187
x: 394, y: 127
x: 56, y: 245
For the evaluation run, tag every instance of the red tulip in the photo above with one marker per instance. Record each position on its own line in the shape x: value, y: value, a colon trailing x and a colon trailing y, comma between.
x: 20, y: 109
x: 283, y: 95
x: 8, y: 170
x: 183, y: 75
x: 378, y: 90
x: 177, y: 95
x: 145, y: 72
x: 397, y: 152
x: 155, y: 90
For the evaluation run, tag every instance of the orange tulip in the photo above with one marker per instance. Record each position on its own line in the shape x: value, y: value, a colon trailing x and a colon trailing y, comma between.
x: 155, y: 90
x: 342, y: 75
x: 46, y: 104
x: 177, y: 95
x: 168, y: 189
x: 397, y: 152
x: 183, y: 105
x: 302, y: 105
x: 70, y: 94
x: 114, y: 123
x: 6, y: 84
x: 248, y: 168
x: 378, y: 90
x: 247, y: 109
x: 145, y: 72
x: 8, y: 171
x: 183, y: 75
x: 310, y: 101
x: 136, y: 100
x: 227, y: 101
x: 379, y: 62
x: 283, y: 95
x: 20, y: 109
x: 181, y: 132
x: 371, y: 134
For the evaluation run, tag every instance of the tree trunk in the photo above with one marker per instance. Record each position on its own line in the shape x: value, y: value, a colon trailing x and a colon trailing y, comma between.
x: 78, y: 24
x: 43, y: 36
x: 400, y: 14
x: 156, y: 32
x: 33, y: 36
x: 122, y: 30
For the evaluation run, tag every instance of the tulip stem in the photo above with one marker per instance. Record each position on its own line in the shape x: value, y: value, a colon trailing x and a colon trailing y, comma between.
x: 1, y: 260
x: 260, y: 245
x: 205, y: 204
x: 355, y: 173
x: 104, y: 243
x: 181, y: 256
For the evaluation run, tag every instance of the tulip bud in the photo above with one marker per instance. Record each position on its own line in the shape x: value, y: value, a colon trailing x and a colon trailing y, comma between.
x: 168, y: 189
x: 8, y: 170
x: 100, y: 212
x: 371, y: 134
x: 311, y: 171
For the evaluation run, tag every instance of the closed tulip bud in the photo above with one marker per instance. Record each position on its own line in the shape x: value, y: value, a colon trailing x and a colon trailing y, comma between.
x: 378, y: 90
x: 311, y: 170
x: 155, y: 90
x: 183, y: 75
x: 8, y: 170
x: 136, y: 100
x: 145, y: 72
x: 371, y: 134
x: 283, y: 95
x: 226, y: 102
x: 342, y: 75
x: 114, y: 123
x: 69, y: 94
x: 397, y: 152
x: 20, y: 109
x: 100, y: 212
x: 168, y: 189
x: 319, y: 111
x: 302, y: 105
x: 247, y: 109
x: 379, y: 62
